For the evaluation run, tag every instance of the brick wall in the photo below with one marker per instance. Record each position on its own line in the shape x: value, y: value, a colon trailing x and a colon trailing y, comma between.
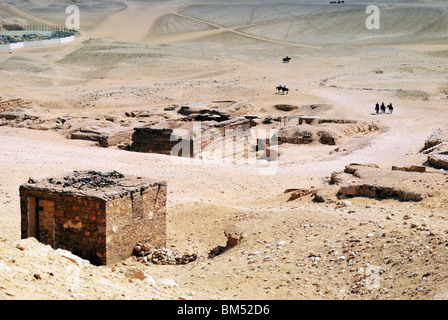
x: 155, y: 140
x: 99, y: 230
x: 78, y: 224
x: 138, y: 217
x: 152, y: 140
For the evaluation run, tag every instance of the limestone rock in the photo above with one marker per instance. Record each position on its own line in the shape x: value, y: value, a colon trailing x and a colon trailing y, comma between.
x: 234, y: 235
x: 135, y: 273
x: 167, y: 282
x: 73, y: 258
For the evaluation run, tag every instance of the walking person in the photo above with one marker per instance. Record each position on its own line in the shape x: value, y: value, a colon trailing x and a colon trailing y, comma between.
x: 391, y: 109
x: 377, y: 108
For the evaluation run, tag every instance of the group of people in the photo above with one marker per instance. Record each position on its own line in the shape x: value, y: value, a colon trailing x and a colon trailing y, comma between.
x: 383, y: 108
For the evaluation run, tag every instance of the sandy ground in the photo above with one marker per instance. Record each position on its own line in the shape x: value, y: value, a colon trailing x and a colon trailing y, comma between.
x: 142, y: 55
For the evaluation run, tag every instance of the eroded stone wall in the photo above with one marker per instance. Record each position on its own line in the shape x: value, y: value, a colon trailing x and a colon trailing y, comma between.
x: 165, y: 140
x: 139, y: 217
x: 152, y: 140
x: 103, y: 231
x: 79, y: 223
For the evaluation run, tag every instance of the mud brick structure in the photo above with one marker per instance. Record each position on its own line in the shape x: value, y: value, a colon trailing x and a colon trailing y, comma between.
x: 166, y: 137
x: 99, y: 216
x: 8, y: 105
x: 156, y: 140
x: 325, y: 131
x: 439, y: 136
x: 105, y: 137
x: 436, y: 146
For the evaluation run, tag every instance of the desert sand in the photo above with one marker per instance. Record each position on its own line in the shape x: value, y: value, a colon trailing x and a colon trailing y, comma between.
x: 147, y: 55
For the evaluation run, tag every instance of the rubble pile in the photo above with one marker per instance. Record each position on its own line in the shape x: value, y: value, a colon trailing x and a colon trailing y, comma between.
x: 8, y: 105
x: 146, y: 254
x: 89, y: 179
x: 436, y: 147
x: 235, y: 235
x: 437, y: 137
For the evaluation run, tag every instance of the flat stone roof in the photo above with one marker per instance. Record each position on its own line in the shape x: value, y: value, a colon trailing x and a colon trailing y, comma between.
x: 89, y: 183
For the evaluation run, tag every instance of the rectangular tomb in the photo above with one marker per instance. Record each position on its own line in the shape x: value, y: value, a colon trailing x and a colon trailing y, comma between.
x: 99, y: 216
x: 182, y: 138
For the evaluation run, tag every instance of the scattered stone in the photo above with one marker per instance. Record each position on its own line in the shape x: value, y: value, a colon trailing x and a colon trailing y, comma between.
x: 381, y: 192
x: 135, y: 273
x: 234, y: 235
x: 167, y: 282
x: 318, y: 197
x: 298, y: 193
x: 73, y: 258
x: 344, y: 204
x: 162, y: 256
x: 285, y: 107
x: 411, y: 168
x: 216, y: 251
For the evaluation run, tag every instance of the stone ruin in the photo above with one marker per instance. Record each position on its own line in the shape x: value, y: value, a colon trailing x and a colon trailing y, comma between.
x: 156, y: 131
x: 235, y: 235
x: 436, y: 147
x: 146, y: 254
x: 21, y: 113
x: 163, y: 136
x: 161, y: 256
x: 160, y: 138
x: 15, y: 111
x: 106, y: 131
x: 309, y: 129
x: 7, y: 105
x: 368, y: 180
x: 105, y: 136
x: 99, y: 216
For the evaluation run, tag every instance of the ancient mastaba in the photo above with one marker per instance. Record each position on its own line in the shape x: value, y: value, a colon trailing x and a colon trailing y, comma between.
x: 98, y: 216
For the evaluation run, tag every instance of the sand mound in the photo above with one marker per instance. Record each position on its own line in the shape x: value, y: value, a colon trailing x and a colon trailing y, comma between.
x: 108, y: 54
x: 44, y: 12
x: 25, y: 64
x: 59, y: 274
x: 412, y: 94
x: 437, y: 27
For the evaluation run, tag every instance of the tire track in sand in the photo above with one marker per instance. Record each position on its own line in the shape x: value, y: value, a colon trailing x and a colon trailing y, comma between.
x: 234, y: 30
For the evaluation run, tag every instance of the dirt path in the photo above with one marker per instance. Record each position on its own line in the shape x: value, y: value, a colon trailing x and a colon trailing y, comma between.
x: 221, y: 29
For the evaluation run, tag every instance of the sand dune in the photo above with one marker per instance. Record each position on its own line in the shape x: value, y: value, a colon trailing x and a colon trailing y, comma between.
x: 333, y: 27
x: 44, y: 12
x: 134, y: 22
x: 8, y: 11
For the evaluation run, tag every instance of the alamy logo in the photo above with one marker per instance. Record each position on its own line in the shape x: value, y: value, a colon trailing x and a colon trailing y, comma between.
x: 373, y: 278
x: 373, y: 21
x: 73, y: 20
